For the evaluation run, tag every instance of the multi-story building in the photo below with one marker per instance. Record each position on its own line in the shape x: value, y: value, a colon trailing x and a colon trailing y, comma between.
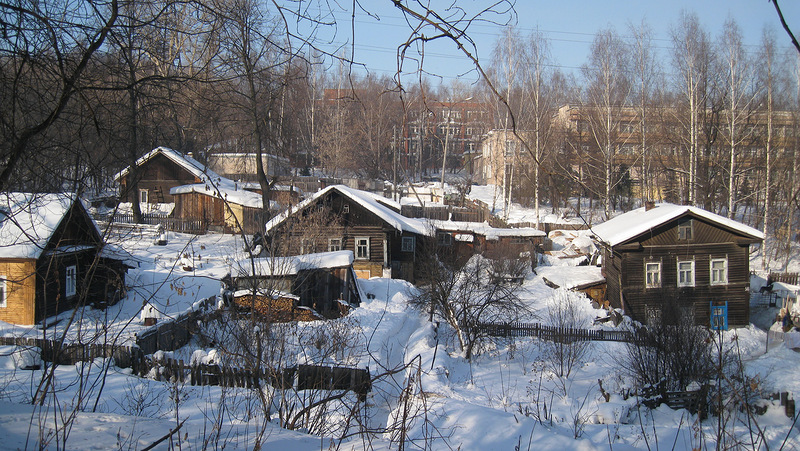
x: 439, y: 130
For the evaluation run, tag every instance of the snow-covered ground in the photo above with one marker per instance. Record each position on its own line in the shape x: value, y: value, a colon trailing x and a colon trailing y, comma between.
x: 507, y: 397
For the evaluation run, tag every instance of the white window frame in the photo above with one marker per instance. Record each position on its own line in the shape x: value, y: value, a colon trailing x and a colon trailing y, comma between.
x: 713, y: 273
x: 346, y: 208
x: 683, y: 228
x: 362, y: 243
x: 4, y: 294
x: 652, y: 282
x: 70, y: 281
x: 307, y: 245
x: 334, y: 244
x: 407, y: 244
x: 144, y: 197
x: 690, y: 272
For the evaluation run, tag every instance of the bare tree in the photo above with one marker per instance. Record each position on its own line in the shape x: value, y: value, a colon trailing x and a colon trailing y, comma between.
x: 608, y: 88
x: 739, y: 100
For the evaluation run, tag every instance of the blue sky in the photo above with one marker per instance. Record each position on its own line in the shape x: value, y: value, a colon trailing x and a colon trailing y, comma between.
x: 569, y: 24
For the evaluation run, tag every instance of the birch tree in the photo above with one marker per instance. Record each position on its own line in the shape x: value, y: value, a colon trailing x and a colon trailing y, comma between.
x: 607, y: 90
x: 690, y: 46
x: 739, y: 102
x: 645, y: 73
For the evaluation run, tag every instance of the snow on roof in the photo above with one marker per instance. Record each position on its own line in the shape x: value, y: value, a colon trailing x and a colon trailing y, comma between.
x: 483, y: 228
x: 287, y: 266
x: 376, y: 204
x: 226, y: 190
x: 193, y: 166
x: 571, y: 277
x: 27, y: 221
x: 636, y: 222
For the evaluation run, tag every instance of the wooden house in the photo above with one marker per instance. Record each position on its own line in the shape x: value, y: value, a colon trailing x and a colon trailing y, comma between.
x: 669, y: 253
x: 51, y: 258
x: 468, y: 238
x: 202, y: 200
x: 384, y: 242
x: 285, y: 288
x: 156, y: 173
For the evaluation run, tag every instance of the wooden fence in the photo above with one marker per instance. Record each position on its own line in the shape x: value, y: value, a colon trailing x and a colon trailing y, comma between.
x: 172, y: 224
x: 71, y: 353
x: 783, y: 277
x: 301, y: 377
x: 554, y: 333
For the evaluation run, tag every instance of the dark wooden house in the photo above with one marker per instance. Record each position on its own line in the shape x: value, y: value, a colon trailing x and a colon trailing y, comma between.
x: 384, y: 242
x: 285, y: 288
x: 51, y: 258
x: 157, y: 172
x: 683, y: 255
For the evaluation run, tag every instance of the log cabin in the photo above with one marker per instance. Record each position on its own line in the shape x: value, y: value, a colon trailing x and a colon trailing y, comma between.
x: 384, y: 242
x: 685, y: 255
x: 197, y: 194
x: 52, y: 258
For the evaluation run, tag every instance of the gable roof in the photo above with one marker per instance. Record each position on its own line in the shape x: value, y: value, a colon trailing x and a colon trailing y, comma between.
x: 377, y: 205
x: 637, y: 222
x: 28, y: 221
x: 191, y: 165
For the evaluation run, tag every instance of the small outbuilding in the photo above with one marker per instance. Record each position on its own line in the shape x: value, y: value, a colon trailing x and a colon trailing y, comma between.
x: 284, y: 286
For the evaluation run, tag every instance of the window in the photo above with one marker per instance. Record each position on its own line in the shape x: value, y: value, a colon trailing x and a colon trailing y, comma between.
x: 519, y: 240
x: 143, y: 196
x: 307, y: 245
x: 3, y: 292
x: 685, y: 230
x: 652, y: 274
x: 346, y: 208
x: 71, y: 281
x: 362, y: 248
x: 686, y: 273
x: 407, y: 245
x: 719, y: 271
x: 334, y: 244
x: 444, y: 239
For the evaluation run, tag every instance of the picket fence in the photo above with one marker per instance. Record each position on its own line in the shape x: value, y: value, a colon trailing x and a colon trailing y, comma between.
x: 553, y: 333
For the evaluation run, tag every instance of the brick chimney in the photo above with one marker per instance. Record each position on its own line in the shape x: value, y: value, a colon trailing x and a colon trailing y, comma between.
x: 649, y: 205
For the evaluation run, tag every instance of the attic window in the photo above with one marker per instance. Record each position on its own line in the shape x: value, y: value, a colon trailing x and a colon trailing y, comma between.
x: 346, y: 208
x: 685, y: 231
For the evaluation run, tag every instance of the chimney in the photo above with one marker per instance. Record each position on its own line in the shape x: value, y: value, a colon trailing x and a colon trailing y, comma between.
x: 649, y: 205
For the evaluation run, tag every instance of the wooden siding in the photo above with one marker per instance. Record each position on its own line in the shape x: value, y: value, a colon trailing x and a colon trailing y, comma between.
x: 624, y: 269
x: 157, y: 175
x: 304, y: 233
x: 20, y: 278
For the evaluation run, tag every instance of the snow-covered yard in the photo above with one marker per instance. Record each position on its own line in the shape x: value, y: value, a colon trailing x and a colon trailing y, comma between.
x: 507, y: 397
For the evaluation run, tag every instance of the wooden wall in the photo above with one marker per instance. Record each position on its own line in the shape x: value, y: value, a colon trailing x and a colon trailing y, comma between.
x: 20, y: 275
x: 625, y: 272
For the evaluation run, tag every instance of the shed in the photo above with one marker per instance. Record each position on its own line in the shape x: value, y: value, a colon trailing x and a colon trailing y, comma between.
x: 324, y: 282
